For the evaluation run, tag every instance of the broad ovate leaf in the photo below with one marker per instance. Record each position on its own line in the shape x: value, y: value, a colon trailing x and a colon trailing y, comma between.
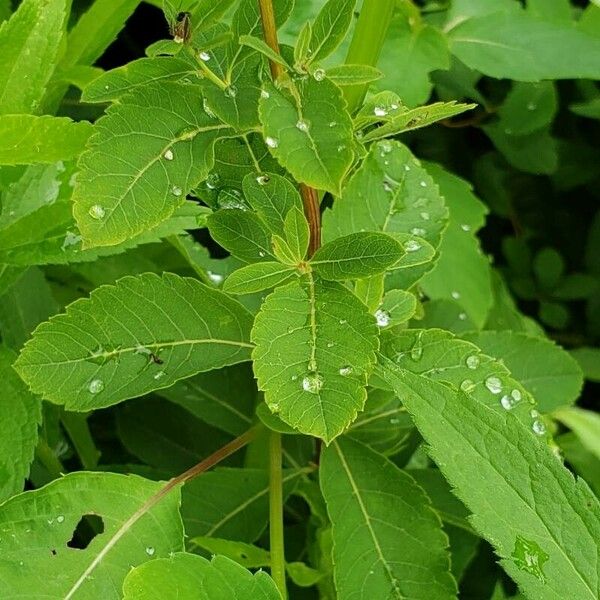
x: 125, y: 340
x: 257, y: 277
x: 38, y: 558
x: 387, y: 540
x: 315, y: 347
x: 120, y: 193
x: 188, y: 576
x: 308, y: 130
x: 356, y: 256
x: 543, y: 523
x: 20, y: 416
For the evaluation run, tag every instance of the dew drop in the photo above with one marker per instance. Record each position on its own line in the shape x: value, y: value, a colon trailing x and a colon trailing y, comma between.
x: 205, y: 56
x: 407, y: 167
x: 394, y: 421
x: 455, y: 295
x: 215, y: 277
x: 96, y: 386
x: 169, y: 154
x: 472, y: 361
x: 176, y: 191
x: 271, y: 142
x: 382, y: 317
x: 341, y: 147
x: 274, y: 407
x: 261, y: 254
x: 380, y: 111
x: 462, y: 316
x: 423, y: 184
x: 343, y: 321
x: 312, y: 383
x: 263, y: 179
x: 264, y: 94
x: 418, y: 231
x: 467, y: 385
x: 302, y: 126
x: 333, y: 124
x: 493, y: 384
x: 531, y: 106
x: 213, y: 180
x: 465, y: 227
x: 150, y: 550
x: 538, y: 427
x: 412, y: 246
x: 424, y: 215
x: 507, y: 402
x: 96, y: 212
x: 208, y: 109
x: 416, y: 351
x: 319, y: 74
x: 159, y: 375
x: 516, y: 394
x: 294, y: 378
x: 60, y: 519
x: 330, y: 344
x: 346, y: 370
x: 385, y: 146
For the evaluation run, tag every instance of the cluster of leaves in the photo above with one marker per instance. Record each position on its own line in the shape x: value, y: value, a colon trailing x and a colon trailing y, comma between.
x: 169, y: 291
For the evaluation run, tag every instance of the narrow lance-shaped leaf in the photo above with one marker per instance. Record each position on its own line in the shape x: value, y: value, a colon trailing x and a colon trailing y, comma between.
x: 37, y: 557
x: 29, y: 45
x: 309, y: 131
x: 387, y: 540
x: 126, y: 340
x: 184, y: 575
x: 257, y: 277
x: 20, y: 416
x: 315, y: 345
x: 543, y: 523
x: 27, y: 139
x: 329, y: 28
x: 357, y: 255
x: 120, y: 193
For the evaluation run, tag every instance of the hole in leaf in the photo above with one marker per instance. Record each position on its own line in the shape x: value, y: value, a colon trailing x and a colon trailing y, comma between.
x: 87, y: 529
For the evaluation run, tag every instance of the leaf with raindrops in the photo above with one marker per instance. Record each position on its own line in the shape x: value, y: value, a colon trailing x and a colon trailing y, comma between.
x: 121, y: 342
x: 60, y: 535
x: 116, y: 198
x: 541, y: 520
x: 315, y: 348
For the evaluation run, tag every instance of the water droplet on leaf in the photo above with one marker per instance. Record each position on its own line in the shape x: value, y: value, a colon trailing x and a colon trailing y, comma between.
x: 312, y: 383
x: 346, y: 370
x: 176, y: 191
x: 493, y: 384
x: 472, y: 361
x: 271, y: 142
x: 302, y: 126
x: 382, y: 317
x: 96, y: 386
x: 205, y: 56
x: 319, y: 74
x: 150, y: 550
x: 412, y: 246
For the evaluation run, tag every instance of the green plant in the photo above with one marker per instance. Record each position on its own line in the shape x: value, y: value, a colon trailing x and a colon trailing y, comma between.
x: 331, y: 331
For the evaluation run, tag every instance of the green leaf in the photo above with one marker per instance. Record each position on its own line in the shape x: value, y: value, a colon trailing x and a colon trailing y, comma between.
x: 95, y: 31
x: 408, y: 120
x: 184, y: 439
x: 441, y: 357
x: 370, y: 290
x: 309, y: 132
x: 357, y: 255
x: 545, y: 369
x: 391, y: 192
x: 262, y: 47
x: 329, y: 28
x: 398, y: 306
x: 43, y: 521
x: 27, y: 139
x: 411, y: 52
x: 589, y: 361
x: 117, y: 82
x: 515, y: 45
x: 547, y: 547
x: 242, y: 233
x: 313, y: 364
x: 297, y: 234
x: 353, y: 74
x: 585, y: 424
x: 470, y: 285
x: 224, y: 398
x: 206, y: 12
x: 590, y: 109
x: 121, y: 343
x: 271, y: 196
x: 257, y: 277
x: 247, y: 555
x: 116, y: 199
x: 387, y: 540
x: 528, y: 107
x: 232, y: 504
x: 29, y: 45
x: 20, y: 416
x: 186, y: 576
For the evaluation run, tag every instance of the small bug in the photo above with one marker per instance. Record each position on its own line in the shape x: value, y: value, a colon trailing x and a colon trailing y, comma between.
x: 181, y: 27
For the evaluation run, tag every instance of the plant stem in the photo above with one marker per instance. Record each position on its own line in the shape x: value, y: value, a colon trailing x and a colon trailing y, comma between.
x: 204, y: 465
x: 267, y: 15
x: 51, y: 462
x: 367, y: 41
x: 276, y: 513
x: 310, y: 198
